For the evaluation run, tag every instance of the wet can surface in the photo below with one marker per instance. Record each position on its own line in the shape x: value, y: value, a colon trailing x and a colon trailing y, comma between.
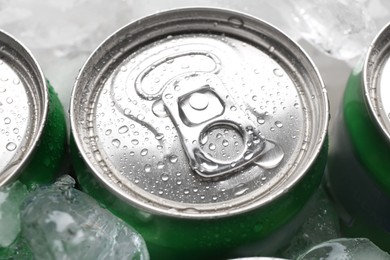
x: 202, y: 128
x: 359, y: 166
x: 32, y: 120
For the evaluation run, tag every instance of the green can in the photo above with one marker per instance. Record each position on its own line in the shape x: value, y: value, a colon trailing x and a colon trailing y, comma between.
x: 32, y: 121
x: 359, y: 165
x: 204, y: 129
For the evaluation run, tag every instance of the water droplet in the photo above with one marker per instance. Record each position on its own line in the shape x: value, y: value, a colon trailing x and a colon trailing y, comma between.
x: 204, y: 139
x: 258, y: 227
x: 225, y: 142
x: 156, y: 80
x: 241, y: 189
x: 123, y: 68
x: 164, y: 177
x: 199, y: 101
x: 158, y: 109
x: 236, y: 22
x: 271, y: 49
x: 233, y: 108
x: 148, y: 168
x: 168, y: 96
x: 10, y: 146
x: 296, y: 105
x: 144, y: 152
x: 16, y: 81
x: 160, y: 165
x: 173, y: 158
x: 116, y: 143
x: 272, y: 129
x: 159, y: 136
x: 260, y: 120
x: 279, y: 124
x: 2, y: 89
x: 127, y: 111
x: 212, y: 147
x: 248, y: 155
x: 254, y: 98
x: 186, y: 191
x: 16, y: 130
x: 9, y: 100
x: 272, y: 155
x: 214, y: 198
x: 141, y: 117
x: 169, y: 60
x: 256, y: 71
x: 219, y: 135
x: 123, y: 129
x: 108, y: 132
x: 135, y: 141
x: 7, y: 120
x: 278, y: 72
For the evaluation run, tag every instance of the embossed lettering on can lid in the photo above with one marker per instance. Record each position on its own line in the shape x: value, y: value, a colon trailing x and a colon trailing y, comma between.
x: 376, y: 80
x: 199, y: 113
x: 23, y: 106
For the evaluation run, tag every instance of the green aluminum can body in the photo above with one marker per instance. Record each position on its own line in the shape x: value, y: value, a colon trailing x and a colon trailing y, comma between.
x: 32, y: 119
x: 204, y: 129
x: 359, y: 167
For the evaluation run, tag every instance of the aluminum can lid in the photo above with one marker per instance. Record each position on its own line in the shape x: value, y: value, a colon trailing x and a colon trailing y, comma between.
x: 23, y: 106
x: 199, y: 113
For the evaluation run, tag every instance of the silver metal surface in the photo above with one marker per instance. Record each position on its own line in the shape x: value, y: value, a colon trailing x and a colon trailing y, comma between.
x: 376, y: 77
x: 23, y: 106
x: 199, y: 113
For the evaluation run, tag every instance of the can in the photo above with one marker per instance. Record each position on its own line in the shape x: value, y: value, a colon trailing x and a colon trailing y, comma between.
x: 33, y: 132
x: 358, y: 168
x: 202, y: 128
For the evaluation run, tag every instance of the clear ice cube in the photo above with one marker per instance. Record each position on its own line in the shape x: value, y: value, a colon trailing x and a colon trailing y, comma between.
x: 11, y: 197
x: 345, y: 249
x: 60, y: 222
x: 340, y: 28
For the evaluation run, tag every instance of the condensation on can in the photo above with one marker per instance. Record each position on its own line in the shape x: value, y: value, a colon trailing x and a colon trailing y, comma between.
x: 358, y: 168
x: 32, y: 120
x: 204, y: 129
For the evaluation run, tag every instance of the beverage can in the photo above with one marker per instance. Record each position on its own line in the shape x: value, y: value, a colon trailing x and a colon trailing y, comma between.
x: 32, y: 121
x: 203, y: 128
x: 358, y: 168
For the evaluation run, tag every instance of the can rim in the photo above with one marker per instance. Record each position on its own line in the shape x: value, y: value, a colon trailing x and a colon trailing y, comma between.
x: 375, y: 50
x: 149, y: 208
x: 14, y: 170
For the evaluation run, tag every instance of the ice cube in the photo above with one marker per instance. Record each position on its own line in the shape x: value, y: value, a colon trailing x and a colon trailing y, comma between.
x: 62, y: 34
x: 11, y: 197
x: 60, y: 222
x: 340, y: 28
x: 345, y: 249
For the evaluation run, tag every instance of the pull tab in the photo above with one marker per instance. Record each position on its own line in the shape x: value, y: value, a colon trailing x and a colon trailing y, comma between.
x: 198, y: 103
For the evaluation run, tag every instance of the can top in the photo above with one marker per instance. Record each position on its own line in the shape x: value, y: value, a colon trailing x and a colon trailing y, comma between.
x: 23, y: 106
x: 376, y: 78
x: 199, y: 113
